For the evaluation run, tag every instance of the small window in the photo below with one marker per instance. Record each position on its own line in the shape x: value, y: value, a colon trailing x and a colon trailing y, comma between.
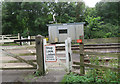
x: 63, y: 31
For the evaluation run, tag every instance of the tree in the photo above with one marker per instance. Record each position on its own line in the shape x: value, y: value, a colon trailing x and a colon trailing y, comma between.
x: 109, y: 12
x: 27, y: 18
x: 9, y: 21
x: 94, y: 25
x: 30, y: 18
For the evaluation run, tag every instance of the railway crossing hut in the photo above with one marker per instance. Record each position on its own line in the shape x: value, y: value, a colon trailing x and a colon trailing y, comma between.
x: 60, y: 32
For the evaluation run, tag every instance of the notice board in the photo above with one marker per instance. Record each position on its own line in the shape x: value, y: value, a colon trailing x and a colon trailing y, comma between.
x: 50, y: 53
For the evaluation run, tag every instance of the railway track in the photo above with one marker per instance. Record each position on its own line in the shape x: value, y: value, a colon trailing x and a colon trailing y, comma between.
x: 108, y: 46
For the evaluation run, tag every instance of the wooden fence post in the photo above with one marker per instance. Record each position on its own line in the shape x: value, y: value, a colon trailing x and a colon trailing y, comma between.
x: 40, y: 54
x: 22, y: 43
x: 29, y: 43
x: 19, y: 38
x: 81, y: 46
x: 118, y: 68
x: 2, y: 39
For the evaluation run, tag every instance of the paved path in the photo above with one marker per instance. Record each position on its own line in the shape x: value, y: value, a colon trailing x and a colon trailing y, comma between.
x: 27, y: 76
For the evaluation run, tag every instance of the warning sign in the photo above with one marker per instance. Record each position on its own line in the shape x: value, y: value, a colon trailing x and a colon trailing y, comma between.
x: 50, y: 53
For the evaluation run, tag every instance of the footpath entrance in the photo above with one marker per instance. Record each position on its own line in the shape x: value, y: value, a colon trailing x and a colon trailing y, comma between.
x: 49, y: 57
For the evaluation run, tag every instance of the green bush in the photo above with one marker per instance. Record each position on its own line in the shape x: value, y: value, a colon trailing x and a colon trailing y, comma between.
x: 93, y: 76
x: 74, y: 78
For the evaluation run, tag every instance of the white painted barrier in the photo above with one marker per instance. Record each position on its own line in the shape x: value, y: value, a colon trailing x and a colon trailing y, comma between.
x: 7, y: 38
x: 44, y: 43
x: 67, y: 53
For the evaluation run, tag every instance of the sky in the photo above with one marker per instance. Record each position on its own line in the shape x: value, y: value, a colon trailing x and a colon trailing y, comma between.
x: 91, y: 3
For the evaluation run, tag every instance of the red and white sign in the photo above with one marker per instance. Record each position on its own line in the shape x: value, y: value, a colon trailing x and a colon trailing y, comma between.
x: 79, y: 40
x: 50, y: 53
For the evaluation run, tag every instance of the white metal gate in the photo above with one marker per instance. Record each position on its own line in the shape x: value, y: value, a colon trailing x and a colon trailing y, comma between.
x: 63, y: 57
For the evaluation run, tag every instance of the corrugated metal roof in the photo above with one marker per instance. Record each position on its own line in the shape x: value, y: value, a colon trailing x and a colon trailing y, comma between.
x: 65, y: 24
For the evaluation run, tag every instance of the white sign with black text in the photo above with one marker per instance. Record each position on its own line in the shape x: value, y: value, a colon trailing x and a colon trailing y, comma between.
x: 50, y: 53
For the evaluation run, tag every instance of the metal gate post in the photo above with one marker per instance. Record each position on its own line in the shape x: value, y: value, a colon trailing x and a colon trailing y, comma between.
x: 67, y: 57
x: 44, y: 43
x: 68, y: 54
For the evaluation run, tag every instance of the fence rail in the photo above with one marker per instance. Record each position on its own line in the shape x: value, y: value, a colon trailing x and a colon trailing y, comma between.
x: 16, y: 38
x: 8, y: 38
x: 82, y: 64
x: 115, y: 46
x: 94, y: 66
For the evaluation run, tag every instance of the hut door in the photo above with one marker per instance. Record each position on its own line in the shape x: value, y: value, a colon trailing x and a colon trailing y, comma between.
x: 63, y: 34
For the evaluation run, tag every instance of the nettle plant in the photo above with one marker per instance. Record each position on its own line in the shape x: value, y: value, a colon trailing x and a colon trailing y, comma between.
x: 103, y: 75
x: 95, y: 75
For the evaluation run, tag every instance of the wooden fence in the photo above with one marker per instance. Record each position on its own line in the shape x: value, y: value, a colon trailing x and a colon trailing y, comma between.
x: 81, y: 65
x: 102, y: 40
x: 17, y: 38
x: 7, y: 38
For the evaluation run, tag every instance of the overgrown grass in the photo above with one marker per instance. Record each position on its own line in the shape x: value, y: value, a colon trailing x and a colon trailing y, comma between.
x: 95, y: 75
x: 74, y: 78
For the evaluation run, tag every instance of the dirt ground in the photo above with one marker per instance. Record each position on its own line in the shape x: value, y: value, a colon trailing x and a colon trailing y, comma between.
x: 27, y: 76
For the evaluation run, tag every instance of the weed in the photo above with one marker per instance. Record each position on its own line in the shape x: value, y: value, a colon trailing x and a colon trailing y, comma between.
x: 38, y: 73
x: 95, y: 75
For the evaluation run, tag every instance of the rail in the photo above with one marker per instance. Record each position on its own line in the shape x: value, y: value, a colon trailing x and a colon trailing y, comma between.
x: 94, y: 66
x: 91, y: 62
x: 94, y: 46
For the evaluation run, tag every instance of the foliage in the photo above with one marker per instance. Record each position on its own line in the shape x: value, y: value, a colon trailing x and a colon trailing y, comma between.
x: 91, y: 77
x: 74, y: 78
x: 94, y: 75
x: 37, y: 73
x: 111, y: 30
x: 30, y: 18
x: 109, y: 14
x: 94, y: 25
